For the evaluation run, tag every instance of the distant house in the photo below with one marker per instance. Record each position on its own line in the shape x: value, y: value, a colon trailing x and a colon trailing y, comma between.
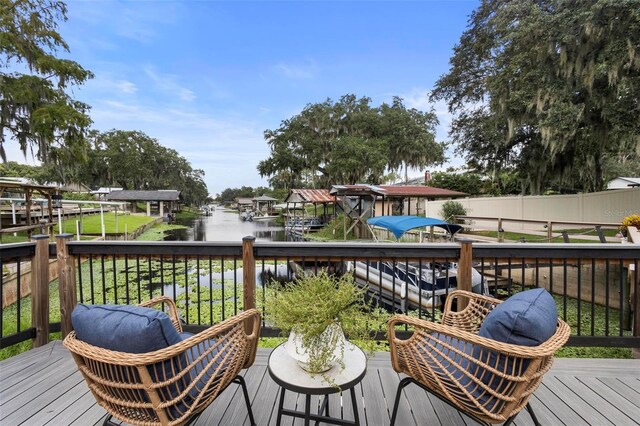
x: 623, y: 183
x: 102, y: 192
x: 157, y: 198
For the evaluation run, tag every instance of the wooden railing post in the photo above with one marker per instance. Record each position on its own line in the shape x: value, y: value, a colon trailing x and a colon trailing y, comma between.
x: 40, y: 290
x: 248, y: 273
x: 464, y: 269
x: 634, y: 280
x: 67, y: 279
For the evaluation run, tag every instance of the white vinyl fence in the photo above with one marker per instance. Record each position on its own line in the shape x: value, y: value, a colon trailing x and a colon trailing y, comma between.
x: 602, y: 207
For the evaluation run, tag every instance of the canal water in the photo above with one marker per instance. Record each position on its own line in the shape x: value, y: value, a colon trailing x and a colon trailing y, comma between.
x: 225, y: 225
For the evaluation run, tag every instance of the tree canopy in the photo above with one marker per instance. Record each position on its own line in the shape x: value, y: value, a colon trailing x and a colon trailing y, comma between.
x: 35, y: 109
x: 549, y: 87
x: 348, y: 142
x: 133, y: 160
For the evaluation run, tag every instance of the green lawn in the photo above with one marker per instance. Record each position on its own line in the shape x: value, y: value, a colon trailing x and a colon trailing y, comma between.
x: 530, y: 238
x: 91, y: 223
x: 20, y: 237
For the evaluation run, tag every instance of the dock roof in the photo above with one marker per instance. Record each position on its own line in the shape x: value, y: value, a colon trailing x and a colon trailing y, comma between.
x: 314, y: 196
x: 419, y: 191
x: 136, y: 195
x: 264, y: 198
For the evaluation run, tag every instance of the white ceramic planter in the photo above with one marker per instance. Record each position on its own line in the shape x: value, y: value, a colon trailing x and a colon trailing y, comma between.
x: 330, y: 342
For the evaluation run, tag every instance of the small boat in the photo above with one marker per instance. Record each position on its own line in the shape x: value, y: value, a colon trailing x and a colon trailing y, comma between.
x: 247, y: 216
x: 264, y: 217
x: 411, y: 283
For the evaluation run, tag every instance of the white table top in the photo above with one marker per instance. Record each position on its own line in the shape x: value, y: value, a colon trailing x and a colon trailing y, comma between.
x: 287, y: 373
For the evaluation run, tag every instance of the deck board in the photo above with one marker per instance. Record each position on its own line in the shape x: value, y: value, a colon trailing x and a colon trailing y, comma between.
x: 43, y: 386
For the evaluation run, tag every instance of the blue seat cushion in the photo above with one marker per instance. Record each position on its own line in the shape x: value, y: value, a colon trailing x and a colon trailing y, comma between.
x: 124, y: 328
x: 528, y: 318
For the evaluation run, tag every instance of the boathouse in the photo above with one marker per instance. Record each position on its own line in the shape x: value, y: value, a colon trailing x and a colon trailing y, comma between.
x: 263, y: 203
x: 25, y: 214
x: 155, y: 199
x: 389, y: 200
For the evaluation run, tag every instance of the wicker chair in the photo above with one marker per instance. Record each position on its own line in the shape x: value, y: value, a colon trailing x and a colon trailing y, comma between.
x: 488, y: 380
x: 174, y: 385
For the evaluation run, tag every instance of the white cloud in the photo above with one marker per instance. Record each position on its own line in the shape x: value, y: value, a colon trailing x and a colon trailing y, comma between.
x: 417, y: 98
x: 126, y: 86
x: 113, y: 87
x: 168, y: 84
x: 306, y: 71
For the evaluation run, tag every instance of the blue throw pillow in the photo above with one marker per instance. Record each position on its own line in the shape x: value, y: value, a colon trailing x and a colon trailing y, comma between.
x: 124, y: 328
x: 528, y: 318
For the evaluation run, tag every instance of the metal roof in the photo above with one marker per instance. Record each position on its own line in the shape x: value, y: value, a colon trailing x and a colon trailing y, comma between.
x: 395, y: 191
x: 24, y: 183
x: 315, y: 196
x: 419, y: 191
x: 134, y: 195
x: 357, y: 189
x: 264, y: 198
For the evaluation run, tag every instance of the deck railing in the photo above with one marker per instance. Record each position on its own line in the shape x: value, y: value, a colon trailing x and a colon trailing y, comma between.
x: 596, y: 286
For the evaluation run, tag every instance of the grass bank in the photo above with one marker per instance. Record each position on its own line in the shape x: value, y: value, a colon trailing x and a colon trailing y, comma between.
x: 92, y: 224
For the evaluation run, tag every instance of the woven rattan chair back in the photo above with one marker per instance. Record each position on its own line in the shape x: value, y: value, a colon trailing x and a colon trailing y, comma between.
x: 489, y: 380
x: 172, y: 385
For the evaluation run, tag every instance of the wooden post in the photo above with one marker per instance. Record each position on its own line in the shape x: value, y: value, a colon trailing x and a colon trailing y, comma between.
x: 67, y: 279
x: 464, y: 269
x: 500, y: 231
x: 40, y: 290
x: 248, y: 273
x: 549, y: 231
x: 634, y: 278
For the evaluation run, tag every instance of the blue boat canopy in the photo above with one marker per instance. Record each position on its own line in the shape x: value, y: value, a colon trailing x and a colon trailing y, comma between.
x: 401, y: 224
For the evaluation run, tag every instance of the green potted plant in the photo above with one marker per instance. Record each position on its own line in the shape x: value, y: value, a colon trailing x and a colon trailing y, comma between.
x: 317, y: 310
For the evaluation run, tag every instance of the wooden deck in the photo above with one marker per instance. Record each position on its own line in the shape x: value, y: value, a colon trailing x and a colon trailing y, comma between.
x: 42, y: 386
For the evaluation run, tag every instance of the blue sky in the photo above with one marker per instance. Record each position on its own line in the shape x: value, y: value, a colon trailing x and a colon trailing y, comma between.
x: 206, y: 78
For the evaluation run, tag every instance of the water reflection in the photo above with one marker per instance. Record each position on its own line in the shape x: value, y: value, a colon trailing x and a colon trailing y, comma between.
x: 225, y: 225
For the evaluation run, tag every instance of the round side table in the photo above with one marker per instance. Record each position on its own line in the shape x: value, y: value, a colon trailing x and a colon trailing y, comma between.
x: 286, y: 372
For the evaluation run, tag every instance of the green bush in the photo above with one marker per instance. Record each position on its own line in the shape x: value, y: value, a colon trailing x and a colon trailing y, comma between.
x: 451, y: 209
